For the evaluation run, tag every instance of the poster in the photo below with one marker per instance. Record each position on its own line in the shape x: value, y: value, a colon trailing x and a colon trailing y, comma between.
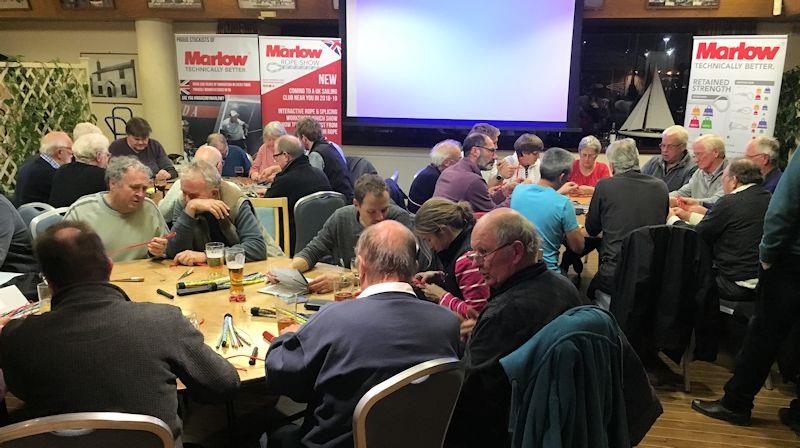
x: 112, y: 77
x: 301, y: 77
x: 14, y: 4
x: 685, y: 4
x: 266, y: 4
x: 175, y: 4
x: 218, y: 80
x: 734, y: 86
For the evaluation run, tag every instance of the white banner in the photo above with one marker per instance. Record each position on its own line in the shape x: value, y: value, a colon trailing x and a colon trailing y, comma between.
x: 734, y: 87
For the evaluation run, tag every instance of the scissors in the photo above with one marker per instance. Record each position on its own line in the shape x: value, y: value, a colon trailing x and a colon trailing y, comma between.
x: 186, y: 274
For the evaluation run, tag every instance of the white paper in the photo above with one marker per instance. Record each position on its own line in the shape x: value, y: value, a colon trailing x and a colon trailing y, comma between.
x: 291, y: 282
x: 6, y: 276
x: 11, y: 298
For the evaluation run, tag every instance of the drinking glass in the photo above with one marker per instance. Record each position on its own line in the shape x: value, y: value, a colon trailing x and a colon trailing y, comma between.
x: 239, y: 170
x: 44, y: 293
x: 215, y: 253
x: 234, y: 260
x: 342, y: 289
x: 354, y: 270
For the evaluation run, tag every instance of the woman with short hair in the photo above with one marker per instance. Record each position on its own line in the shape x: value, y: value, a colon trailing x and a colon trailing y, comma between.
x: 586, y: 171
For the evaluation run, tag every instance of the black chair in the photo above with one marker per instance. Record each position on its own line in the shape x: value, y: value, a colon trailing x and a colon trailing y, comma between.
x: 359, y: 166
x: 310, y: 214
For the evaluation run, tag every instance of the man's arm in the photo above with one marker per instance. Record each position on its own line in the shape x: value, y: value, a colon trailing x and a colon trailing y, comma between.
x: 245, y: 162
x: 713, y: 197
x: 6, y: 232
x: 573, y: 234
x: 316, y: 160
x: 322, y: 244
x: 594, y: 224
x: 685, y: 190
x: 715, y: 222
x: 250, y: 237
x: 167, y: 205
x: 477, y: 194
x: 164, y: 163
x: 781, y: 221
x: 183, y: 226
x: 287, y: 367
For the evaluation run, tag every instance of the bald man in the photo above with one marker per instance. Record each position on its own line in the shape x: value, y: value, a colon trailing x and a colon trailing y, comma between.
x: 35, y: 176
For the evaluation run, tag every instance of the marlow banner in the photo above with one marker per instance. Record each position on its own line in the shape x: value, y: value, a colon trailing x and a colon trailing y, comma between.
x: 734, y: 87
x: 219, y: 85
x: 301, y: 77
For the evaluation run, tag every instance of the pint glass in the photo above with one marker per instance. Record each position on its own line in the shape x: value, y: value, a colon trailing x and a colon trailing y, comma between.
x: 234, y: 259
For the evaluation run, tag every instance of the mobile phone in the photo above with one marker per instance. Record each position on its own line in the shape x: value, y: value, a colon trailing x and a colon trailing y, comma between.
x: 315, y: 304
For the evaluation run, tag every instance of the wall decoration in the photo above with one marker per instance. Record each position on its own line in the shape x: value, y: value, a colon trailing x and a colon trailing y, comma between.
x: 112, y: 77
x: 592, y: 4
x: 175, y: 4
x: 267, y: 4
x: 686, y: 4
x: 87, y: 4
x: 14, y: 4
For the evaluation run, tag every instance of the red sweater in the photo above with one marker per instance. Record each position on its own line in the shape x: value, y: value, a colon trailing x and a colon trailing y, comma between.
x: 600, y: 172
x: 473, y: 288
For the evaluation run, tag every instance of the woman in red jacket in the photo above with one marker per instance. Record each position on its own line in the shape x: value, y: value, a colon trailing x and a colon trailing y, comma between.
x: 586, y: 171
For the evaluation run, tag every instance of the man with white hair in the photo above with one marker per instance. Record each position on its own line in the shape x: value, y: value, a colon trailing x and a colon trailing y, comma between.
x: 86, y: 175
x: 84, y: 128
x: 123, y: 215
x: 205, y: 153
x: 621, y: 203
x: 705, y: 186
x: 235, y: 130
x: 763, y: 151
x: 675, y: 165
x: 35, y: 177
x: 443, y: 155
x: 212, y: 211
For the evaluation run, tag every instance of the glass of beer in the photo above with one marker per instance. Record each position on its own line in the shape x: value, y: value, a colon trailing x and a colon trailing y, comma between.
x: 342, y: 288
x: 215, y: 254
x: 234, y: 259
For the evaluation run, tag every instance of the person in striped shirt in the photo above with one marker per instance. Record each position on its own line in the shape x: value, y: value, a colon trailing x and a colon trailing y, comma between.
x: 446, y: 228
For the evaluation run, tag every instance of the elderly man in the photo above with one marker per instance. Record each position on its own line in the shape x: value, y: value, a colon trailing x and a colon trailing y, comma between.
x: 621, y: 203
x: 526, y: 296
x: 463, y: 181
x: 777, y: 313
x: 334, y: 166
x: 349, y: 347
x: 86, y: 175
x: 105, y: 352
x: 733, y: 229
x: 234, y: 160
x: 443, y: 155
x: 297, y: 177
x: 16, y: 254
x: 84, y: 128
x: 205, y: 153
x: 340, y: 232
x: 212, y: 211
x: 235, y: 130
x: 764, y: 151
x: 675, y: 166
x: 123, y: 216
x: 137, y: 143
x: 705, y: 186
x: 35, y: 176
x: 551, y: 213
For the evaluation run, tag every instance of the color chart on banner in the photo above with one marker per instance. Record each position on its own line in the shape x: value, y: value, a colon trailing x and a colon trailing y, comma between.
x: 219, y: 84
x: 301, y: 77
x: 734, y: 88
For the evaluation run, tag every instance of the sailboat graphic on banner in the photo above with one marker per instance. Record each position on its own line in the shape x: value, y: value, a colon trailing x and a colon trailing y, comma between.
x: 651, y: 115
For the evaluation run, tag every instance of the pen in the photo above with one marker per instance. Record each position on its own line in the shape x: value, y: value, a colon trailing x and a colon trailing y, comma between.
x: 252, y: 361
x: 129, y: 279
x: 165, y: 294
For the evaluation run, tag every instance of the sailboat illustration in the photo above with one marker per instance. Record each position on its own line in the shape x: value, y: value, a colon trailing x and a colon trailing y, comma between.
x: 651, y: 115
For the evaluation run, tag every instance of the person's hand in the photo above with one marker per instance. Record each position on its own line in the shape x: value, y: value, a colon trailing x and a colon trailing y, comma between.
x: 322, y: 283
x: 673, y: 202
x: 568, y: 188
x: 216, y: 207
x: 472, y: 313
x: 493, y: 190
x: 157, y: 246
x: 466, y: 328
x: 696, y: 209
x: 190, y: 258
x: 433, y: 292
x: 765, y: 265
x: 162, y: 175
x: 427, y: 277
x: 687, y: 202
x: 271, y: 277
x: 505, y: 169
x: 508, y: 187
x: 290, y: 329
x: 682, y: 214
x: 584, y: 190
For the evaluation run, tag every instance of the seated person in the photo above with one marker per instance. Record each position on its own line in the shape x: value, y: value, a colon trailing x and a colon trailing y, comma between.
x: 16, y: 253
x: 105, y: 353
x: 339, y: 234
x: 622, y: 203
x: 84, y: 128
x: 764, y: 151
x: 446, y: 228
x: 86, y: 175
x: 526, y: 296
x: 234, y: 160
x: 349, y: 347
x: 296, y: 179
x: 264, y: 167
x: 211, y: 211
x: 137, y: 143
x: 123, y: 215
x: 586, y: 171
x: 733, y: 229
x: 334, y: 165
x: 675, y: 165
x: 443, y: 155
x: 705, y: 186
x: 205, y: 153
x: 500, y: 169
x: 525, y: 160
x: 34, y: 179
x: 551, y: 213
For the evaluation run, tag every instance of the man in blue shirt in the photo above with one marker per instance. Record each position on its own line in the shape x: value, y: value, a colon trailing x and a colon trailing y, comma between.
x: 764, y: 152
x: 234, y: 160
x: 443, y: 154
x: 551, y: 213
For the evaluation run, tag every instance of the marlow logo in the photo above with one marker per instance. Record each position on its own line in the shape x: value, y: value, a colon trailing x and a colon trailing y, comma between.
x: 712, y: 51
x: 279, y: 51
x: 197, y: 58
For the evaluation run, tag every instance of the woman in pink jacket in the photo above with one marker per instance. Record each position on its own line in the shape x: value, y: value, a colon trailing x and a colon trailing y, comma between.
x: 265, y: 167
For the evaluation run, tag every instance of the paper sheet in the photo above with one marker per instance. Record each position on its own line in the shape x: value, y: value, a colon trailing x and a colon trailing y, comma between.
x: 6, y: 276
x: 291, y: 283
x: 11, y: 298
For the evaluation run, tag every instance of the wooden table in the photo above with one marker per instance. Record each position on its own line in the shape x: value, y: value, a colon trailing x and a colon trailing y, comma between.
x: 211, y: 307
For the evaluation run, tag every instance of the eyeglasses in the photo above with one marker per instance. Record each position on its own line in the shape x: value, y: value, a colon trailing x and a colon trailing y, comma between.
x: 279, y: 154
x: 670, y: 146
x: 488, y: 149
x: 476, y: 256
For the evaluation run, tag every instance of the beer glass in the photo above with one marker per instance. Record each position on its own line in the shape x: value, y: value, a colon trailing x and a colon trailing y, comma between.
x: 342, y: 289
x: 215, y: 253
x: 234, y: 259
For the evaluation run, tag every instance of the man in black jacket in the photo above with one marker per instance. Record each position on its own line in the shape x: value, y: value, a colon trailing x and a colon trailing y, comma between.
x: 335, y: 167
x: 296, y: 179
x: 35, y: 176
x: 525, y: 297
x: 86, y: 175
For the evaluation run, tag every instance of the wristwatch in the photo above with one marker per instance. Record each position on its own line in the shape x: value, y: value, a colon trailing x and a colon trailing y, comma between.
x: 499, y: 178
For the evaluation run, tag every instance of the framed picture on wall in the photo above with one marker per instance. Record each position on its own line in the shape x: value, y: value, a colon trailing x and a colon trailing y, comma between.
x: 267, y: 4
x: 14, y: 4
x: 686, y: 4
x: 87, y: 4
x: 175, y: 4
x: 112, y: 77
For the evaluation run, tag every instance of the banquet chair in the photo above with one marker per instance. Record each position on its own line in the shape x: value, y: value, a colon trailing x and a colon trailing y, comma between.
x: 310, y: 214
x: 31, y: 210
x: 412, y: 408
x: 359, y: 166
x: 41, y: 222
x: 273, y: 214
x: 100, y: 429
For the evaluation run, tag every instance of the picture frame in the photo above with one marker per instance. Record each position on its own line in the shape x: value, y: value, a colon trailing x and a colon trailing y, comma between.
x: 11, y: 5
x: 175, y: 4
x: 267, y: 4
x: 113, y: 78
x: 87, y: 4
x: 682, y: 4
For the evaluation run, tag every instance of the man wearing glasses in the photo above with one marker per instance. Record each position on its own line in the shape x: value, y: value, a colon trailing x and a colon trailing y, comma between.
x: 675, y: 166
x: 35, y: 176
x: 526, y: 296
x: 463, y: 181
x: 764, y: 152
